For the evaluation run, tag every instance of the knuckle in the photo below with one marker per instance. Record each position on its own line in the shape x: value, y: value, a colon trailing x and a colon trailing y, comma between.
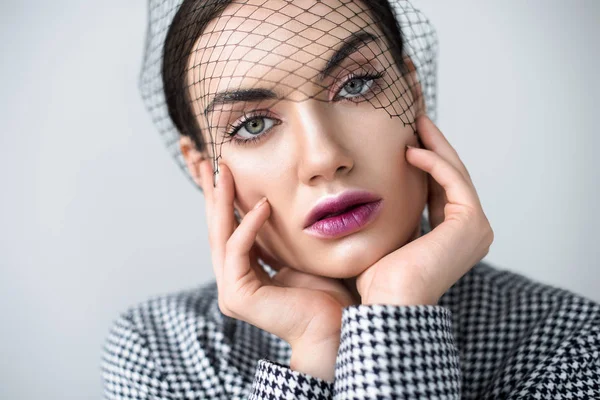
x: 229, y: 305
x: 490, y: 235
x: 487, y: 229
x: 481, y: 224
x: 469, y: 214
x: 236, y: 298
x: 487, y: 232
x: 223, y: 307
x: 486, y: 251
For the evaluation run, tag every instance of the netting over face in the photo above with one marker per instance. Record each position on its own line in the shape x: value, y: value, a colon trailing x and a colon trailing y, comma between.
x: 228, y: 73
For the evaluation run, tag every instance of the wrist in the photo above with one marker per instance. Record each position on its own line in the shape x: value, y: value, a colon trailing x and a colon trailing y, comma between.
x: 316, y: 359
x: 413, y: 300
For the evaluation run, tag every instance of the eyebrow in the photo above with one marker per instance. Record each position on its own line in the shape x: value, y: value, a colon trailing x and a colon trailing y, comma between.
x: 350, y: 45
x: 234, y: 96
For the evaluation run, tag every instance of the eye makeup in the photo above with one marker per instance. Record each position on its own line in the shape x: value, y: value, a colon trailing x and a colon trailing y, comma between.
x: 258, y: 118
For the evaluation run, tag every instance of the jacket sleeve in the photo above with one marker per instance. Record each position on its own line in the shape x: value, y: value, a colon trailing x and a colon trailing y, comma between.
x: 275, y: 381
x: 133, y: 369
x: 399, y: 352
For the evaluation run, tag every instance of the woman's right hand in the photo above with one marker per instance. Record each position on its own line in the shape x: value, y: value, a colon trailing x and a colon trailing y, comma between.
x: 303, y: 309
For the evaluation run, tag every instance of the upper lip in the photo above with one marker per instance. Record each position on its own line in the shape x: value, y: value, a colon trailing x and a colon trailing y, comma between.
x: 334, y: 204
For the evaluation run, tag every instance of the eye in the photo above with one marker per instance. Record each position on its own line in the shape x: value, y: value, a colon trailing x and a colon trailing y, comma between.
x: 356, y: 87
x: 256, y: 126
x: 251, y: 128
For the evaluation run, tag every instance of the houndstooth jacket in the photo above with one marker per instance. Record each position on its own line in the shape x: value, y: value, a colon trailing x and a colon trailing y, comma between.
x: 495, y: 334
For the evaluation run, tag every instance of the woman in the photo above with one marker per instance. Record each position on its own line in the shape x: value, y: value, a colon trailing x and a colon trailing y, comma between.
x: 304, y: 124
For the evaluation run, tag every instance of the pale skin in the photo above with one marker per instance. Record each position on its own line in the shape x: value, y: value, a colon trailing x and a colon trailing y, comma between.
x: 321, y: 149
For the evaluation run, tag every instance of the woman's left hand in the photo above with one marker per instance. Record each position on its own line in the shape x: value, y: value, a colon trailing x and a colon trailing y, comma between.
x: 423, y: 270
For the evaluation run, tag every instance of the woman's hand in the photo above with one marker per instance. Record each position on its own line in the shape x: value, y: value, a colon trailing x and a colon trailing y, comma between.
x: 423, y: 270
x: 303, y: 309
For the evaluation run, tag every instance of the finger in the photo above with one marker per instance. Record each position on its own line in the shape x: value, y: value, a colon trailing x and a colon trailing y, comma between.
x: 436, y: 201
x: 433, y: 139
x: 439, y: 256
x: 293, y: 278
x: 207, y: 186
x: 258, y: 251
x: 248, y: 296
x: 222, y: 218
x: 235, y: 222
x: 206, y: 172
x: 458, y: 190
x: 242, y: 240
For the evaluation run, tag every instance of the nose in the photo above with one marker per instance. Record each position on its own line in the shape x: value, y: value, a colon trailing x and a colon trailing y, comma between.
x: 323, y: 155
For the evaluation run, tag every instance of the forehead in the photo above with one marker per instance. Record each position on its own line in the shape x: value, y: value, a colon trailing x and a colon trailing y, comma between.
x: 274, y: 40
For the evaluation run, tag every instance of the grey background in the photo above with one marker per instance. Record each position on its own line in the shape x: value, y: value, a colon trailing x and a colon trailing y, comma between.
x: 95, y: 216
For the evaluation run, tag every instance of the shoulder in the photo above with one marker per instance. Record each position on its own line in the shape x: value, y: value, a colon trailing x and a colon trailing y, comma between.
x: 163, y: 340
x: 494, y: 295
x: 511, y: 330
x: 180, y: 315
x: 489, y: 285
x: 175, y: 311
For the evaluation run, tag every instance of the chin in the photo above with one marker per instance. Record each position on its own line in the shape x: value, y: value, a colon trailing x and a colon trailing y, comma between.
x: 346, y: 260
x: 350, y: 257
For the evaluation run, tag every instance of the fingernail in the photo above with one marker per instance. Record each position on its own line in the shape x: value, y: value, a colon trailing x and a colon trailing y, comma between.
x: 260, y: 203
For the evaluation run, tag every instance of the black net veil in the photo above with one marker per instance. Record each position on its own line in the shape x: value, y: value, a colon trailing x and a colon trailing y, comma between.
x: 213, y: 69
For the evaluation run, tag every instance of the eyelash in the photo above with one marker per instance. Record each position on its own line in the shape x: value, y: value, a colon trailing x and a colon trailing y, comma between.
x: 232, y: 129
x: 364, y: 75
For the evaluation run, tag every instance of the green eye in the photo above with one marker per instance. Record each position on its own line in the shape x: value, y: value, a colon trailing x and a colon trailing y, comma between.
x: 252, y: 128
x: 255, y: 126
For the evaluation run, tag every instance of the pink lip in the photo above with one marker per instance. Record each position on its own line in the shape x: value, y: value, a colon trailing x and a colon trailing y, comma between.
x: 346, y: 223
x: 332, y: 205
x: 362, y: 208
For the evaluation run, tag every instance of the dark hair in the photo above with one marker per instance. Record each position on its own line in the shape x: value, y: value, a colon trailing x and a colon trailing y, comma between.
x: 188, y: 25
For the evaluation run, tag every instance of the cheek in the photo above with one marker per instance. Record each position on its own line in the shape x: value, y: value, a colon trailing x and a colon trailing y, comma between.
x: 255, y: 176
x: 249, y: 188
x: 378, y: 138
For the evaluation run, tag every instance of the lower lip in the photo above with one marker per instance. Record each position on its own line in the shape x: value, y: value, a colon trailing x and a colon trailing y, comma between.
x: 346, y: 223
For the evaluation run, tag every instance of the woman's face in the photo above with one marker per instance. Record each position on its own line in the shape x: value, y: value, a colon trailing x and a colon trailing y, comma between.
x: 320, y: 136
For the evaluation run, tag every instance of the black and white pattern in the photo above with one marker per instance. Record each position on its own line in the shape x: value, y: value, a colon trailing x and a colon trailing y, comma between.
x: 494, y: 334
